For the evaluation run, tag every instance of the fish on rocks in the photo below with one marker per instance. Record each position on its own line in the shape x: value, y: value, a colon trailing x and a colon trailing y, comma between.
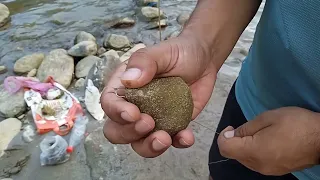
x: 167, y: 100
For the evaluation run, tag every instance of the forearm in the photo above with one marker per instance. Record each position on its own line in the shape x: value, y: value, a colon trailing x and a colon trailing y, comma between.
x: 219, y: 24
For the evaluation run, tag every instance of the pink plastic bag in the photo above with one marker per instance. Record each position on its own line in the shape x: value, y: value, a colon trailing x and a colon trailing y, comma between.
x: 15, y: 83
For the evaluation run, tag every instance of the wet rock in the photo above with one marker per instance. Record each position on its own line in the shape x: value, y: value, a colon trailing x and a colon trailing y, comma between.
x: 84, y: 36
x: 146, y: 2
x: 11, y: 105
x: 156, y: 24
x: 127, y: 55
x: 9, y: 128
x: 116, y: 41
x: 121, y: 23
x: 111, y: 53
x: 92, y: 101
x: 151, y: 13
x: 80, y: 83
x: 32, y: 73
x: 183, y: 18
x: 101, y: 71
x: 173, y: 34
x: 28, y: 133
x: 4, y: 14
x: 12, y: 162
x: 101, y: 51
x: 3, y: 69
x: 59, y: 65
x: 83, y: 67
x: 83, y: 49
x: 28, y: 63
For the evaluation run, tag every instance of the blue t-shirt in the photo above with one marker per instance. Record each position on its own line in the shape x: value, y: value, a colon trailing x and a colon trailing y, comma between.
x: 283, y: 64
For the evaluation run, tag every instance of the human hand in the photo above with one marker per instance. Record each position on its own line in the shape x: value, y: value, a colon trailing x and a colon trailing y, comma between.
x: 183, y: 56
x: 277, y: 142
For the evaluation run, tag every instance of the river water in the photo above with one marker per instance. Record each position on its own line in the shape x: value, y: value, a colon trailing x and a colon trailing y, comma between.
x: 43, y: 25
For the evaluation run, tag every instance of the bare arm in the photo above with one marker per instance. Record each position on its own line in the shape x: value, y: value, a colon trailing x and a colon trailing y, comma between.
x: 219, y: 24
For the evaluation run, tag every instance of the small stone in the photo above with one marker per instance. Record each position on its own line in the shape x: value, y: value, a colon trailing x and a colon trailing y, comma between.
x: 146, y: 2
x: 28, y: 133
x: 59, y: 65
x: 167, y: 100
x: 14, y: 170
x: 4, y: 14
x: 111, y: 53
x: 156, y: 24
x: 101, y: 51
x: 21, y: 116
x: 116, y: 41
x: 9, y: 128
x: 92, y: 101
x: 150, y: 13
x: 83, y: 49
x: 80, y: 83
x: 128, y: 54
x: 32, y: 73
x: 28, y: 63
x: 11, y: 105
x: 84, y: 36
x: 173, y: 34
x: 3, y: 69
x: 120, y: 53
x: 84, y: 65
x: 183, y: 18
x: 122, y: 23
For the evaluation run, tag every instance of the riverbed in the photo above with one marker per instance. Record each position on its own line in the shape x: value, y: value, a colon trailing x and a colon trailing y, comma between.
x: 43, y: 25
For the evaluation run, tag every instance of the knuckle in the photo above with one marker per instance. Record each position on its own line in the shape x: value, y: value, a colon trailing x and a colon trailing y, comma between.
x: 242, y: 130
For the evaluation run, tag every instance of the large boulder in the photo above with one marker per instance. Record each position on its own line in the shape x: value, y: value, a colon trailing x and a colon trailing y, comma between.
x: 59, y: 65
x: 4, y: 14
x: 28, y: 63
x: 11, y: 105
x: 83, y: 67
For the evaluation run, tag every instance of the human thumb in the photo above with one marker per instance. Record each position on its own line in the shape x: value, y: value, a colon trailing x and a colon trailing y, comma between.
x: 230, y: 146
x: 148, y: 62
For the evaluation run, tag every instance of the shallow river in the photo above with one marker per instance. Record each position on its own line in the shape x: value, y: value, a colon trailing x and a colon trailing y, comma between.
x: 43, y: 25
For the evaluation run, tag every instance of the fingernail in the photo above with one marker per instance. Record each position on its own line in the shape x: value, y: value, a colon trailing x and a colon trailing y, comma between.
x: 131, y: 74
x: 229, y: 134
x: 142, y: 127
x: 158, y: 145
x: 124, y: 115
x: 183, y: 142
